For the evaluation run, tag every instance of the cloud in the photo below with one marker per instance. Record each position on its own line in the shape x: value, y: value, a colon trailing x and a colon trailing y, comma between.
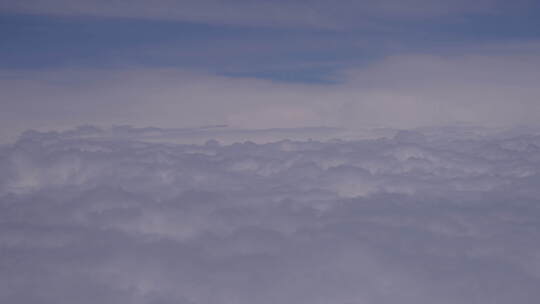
x: 445, y: 215
x: 315, y: 13
x: 483, y: 86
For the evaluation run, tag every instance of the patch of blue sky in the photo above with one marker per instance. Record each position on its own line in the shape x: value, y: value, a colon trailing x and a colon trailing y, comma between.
x: 315, y: 75
x: 281, y: 54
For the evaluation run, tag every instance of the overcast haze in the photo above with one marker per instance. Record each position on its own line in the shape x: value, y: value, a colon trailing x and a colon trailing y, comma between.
x: 266, y: 64
x: 251, y: 151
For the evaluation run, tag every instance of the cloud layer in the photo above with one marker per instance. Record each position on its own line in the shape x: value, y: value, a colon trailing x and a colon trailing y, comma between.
x: 444, y: 215
x: 312, y: 13
x: 491, y: 86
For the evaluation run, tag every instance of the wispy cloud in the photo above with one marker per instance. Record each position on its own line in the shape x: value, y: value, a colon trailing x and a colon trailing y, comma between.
x: 485, y: 88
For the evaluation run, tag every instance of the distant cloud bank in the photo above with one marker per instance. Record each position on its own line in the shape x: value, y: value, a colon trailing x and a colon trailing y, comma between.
x: 493, y: 85
x: 440, y: 215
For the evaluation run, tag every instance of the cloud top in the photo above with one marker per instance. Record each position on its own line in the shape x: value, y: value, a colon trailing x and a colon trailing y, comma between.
x: 444, y: 215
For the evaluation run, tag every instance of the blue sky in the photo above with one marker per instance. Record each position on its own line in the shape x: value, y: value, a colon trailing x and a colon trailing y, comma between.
x: 54, y: 53
x: 283, y: 52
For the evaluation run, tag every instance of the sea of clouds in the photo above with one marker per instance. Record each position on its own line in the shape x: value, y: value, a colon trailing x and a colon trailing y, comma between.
x: 440, y: 215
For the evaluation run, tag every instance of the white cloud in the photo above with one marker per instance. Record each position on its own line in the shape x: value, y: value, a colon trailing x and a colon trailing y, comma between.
x: 442, y: 215
x: 489, y: 86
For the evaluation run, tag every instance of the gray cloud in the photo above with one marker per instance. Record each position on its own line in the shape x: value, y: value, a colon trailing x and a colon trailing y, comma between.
x: 315, y: 13
x: 444, y: 215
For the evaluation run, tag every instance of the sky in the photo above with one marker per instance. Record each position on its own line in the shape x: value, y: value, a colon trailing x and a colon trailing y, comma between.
x: 265, y: 64
x: 263, y: 152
